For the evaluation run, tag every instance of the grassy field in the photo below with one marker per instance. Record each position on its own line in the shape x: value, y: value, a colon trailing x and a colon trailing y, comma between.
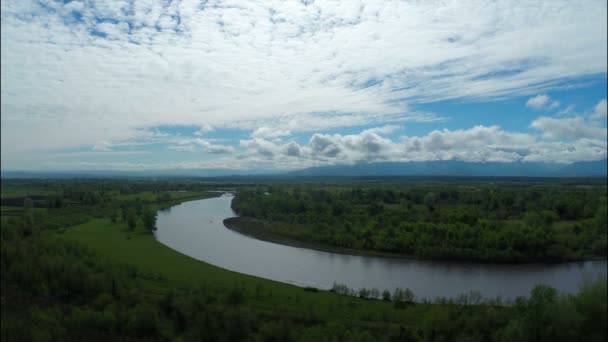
x: 14, y: 193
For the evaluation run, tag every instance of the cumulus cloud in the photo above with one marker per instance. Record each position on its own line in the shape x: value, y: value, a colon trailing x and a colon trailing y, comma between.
x: 261, y: 147
x: 387, y: 129
x: 542, y: 102
x: 206, y: 128
x: 568, y: 128
x: 479, y: 143
x: 600, y: 111
x: 476, y: 144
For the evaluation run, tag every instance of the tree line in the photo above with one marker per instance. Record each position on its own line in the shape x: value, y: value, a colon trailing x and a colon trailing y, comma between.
x: 487, y: 223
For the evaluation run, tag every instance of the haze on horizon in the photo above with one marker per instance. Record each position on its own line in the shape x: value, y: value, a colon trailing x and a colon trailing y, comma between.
x: 147, y: 85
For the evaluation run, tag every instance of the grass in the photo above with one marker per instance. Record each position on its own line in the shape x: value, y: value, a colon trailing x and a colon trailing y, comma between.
x: 24, y: 192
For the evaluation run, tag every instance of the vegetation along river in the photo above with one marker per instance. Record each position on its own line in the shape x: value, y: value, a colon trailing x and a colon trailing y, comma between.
x: 196, y: 229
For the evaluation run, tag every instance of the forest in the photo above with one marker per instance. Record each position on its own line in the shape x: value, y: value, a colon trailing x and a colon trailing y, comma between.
x: 79, y: 262
x: 500, y: 222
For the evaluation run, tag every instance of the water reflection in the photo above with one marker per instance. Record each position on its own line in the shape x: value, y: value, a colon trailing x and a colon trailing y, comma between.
x: 196, y: 229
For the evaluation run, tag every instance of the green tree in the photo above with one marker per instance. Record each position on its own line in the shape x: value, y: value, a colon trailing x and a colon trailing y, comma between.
x: 131, y: 219
x: 430, y: 200
x: 149, y: 218
x: 28, y: 204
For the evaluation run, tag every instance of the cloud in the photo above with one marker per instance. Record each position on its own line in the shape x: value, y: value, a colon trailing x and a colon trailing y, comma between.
x: 219, y: 149
x: 268, y: 132
x: 568, y: 128
x: 183, y: 148
x: 206, y: 128
x: 190, y: 145
x: 476, y: 144
x: 102, y: 146
x: 387, y: 129
x: 74, y: 74
x: 541, y: 102
x: 600, y: 110
x: 214, y: 148
x: 567, y: 111
x: 260, y: 147
x: 480, y: 143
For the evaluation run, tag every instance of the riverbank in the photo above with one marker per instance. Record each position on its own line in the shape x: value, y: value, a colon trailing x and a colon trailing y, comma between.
x: 257, y: 229
x: 270, y: 231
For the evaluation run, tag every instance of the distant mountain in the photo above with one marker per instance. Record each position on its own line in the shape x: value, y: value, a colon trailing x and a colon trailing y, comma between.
x: 427, y: 168
x: 132, y: 173
x: 585, y: 169
x: 459, y: 168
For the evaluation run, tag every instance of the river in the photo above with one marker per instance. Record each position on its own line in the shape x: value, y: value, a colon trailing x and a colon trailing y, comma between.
x: 196, y: 229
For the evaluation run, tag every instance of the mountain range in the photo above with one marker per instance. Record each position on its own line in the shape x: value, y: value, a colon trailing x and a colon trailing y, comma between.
x: 460, y: 168
x: 423, y: 168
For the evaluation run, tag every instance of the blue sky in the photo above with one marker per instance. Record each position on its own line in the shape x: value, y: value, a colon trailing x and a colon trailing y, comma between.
x: 286, y: 84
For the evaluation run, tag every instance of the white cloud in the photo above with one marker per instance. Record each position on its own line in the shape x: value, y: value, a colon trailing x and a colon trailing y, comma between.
x: 542, y: 102
x: 387, y: 129
x: 567, y: 152
x: 567, y: 111
x: 268, y: 132
x: 600, y: 111
x: 477, y: 144
x: 317, y: 66
x: 219, y: 149
x: 102, y: 146
x: 554, y: 104
x: 214, y: 148
x: 538, y: 101
x: 190, y: 145
x: 568, y: 128
x: 260, y: 147
x: 206, y: 128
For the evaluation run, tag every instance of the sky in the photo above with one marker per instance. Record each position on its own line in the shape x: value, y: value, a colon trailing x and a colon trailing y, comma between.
x: 281, y: 85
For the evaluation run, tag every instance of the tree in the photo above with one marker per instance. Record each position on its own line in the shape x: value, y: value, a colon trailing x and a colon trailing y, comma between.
x: 139, y: 206
x: 131, y: 219
x: 429, y: 200
x: 364, y: 293
x: 123, y: 212
x: 149, y: 217
x: 28, y: 204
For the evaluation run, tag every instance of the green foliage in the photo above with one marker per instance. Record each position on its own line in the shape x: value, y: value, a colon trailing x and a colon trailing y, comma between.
x: 67, y: 274
x: 149, y: 218
x: 131, y: 218
x: 489, y: 223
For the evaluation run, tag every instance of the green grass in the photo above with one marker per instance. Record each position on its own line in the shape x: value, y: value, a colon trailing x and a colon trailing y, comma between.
x: 15, y: 193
